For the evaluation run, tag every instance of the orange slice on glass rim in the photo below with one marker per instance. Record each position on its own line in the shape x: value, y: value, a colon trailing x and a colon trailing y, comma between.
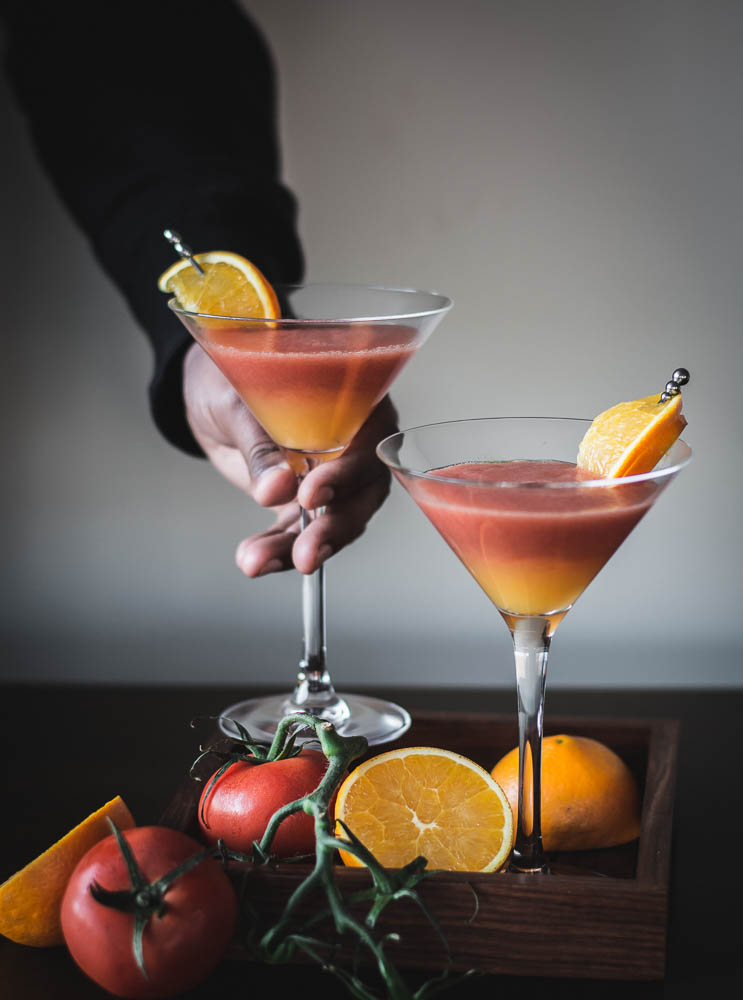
x: 30, y: 900
x: 426, y: 801
x: 631, y: 438
x: 229, y: 286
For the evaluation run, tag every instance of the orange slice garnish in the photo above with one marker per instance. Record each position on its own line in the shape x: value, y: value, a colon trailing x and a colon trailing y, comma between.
x: 229, y: 286
x: 430, y: 802
x: 630, y: 438
x: 30, y: 900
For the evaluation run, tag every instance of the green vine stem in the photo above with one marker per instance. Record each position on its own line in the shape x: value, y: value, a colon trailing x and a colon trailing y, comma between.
x: 279, y: 943
x: 340, y: 752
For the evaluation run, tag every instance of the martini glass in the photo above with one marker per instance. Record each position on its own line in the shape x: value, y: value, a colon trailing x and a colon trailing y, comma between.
x: 533, y: 530
x: 311, y: 379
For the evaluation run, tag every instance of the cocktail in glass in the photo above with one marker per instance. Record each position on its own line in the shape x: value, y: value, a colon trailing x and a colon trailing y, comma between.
x: 311, y: 379
x: 533, y: 530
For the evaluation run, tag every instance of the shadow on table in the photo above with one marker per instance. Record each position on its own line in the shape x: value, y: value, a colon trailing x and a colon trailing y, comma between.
x: 51, y: 973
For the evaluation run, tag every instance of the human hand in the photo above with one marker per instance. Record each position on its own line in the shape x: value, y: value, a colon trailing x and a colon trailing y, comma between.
x: 351, y: 487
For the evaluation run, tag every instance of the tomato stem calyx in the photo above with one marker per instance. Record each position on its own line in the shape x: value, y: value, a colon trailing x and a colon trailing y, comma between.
x: 145, y: 898
x: 251, y: 751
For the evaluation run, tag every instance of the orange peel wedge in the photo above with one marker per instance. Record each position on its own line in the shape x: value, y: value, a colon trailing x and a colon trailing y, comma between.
x: 30, y: 900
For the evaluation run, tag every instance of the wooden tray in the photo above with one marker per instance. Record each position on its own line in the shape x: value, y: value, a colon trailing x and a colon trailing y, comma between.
x: 603, y: 916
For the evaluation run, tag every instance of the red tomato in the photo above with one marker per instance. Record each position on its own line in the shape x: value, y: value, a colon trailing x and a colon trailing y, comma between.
x: 180, y: 948
x: 238, y: 807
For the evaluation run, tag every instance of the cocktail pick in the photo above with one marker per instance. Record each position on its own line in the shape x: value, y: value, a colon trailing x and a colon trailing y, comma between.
x: 680, y: 377
x: 181, y: 249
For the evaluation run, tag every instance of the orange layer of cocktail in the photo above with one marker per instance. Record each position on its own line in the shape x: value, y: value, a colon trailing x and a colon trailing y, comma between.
x: 532, y: 549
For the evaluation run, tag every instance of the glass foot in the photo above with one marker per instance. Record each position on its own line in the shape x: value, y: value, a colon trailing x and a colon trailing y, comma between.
x: 379, y: 721
x: 523, y: 867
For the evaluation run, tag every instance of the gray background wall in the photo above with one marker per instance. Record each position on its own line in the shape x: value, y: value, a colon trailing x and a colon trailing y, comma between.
x: 571, y: 174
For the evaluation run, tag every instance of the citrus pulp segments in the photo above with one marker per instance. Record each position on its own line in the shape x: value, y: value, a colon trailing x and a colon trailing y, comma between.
x: 427, y: 801
x: 230, y: 286
x: 630, y: 438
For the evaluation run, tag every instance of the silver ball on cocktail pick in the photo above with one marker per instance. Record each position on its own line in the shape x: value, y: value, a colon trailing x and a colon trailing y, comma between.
x: 181, y: 249
x: 680, y: 377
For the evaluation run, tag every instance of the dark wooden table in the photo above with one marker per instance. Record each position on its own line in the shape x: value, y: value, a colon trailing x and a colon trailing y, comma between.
x: 66, y: 750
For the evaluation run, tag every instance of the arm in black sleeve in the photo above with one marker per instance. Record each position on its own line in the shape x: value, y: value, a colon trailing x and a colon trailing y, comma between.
x: 151, y: 114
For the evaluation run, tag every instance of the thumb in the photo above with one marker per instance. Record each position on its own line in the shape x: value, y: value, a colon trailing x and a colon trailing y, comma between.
x: 272, y: 482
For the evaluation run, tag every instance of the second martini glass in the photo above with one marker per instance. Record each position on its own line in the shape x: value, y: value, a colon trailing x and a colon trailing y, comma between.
x: 312, y: 379
x: 533, y: 531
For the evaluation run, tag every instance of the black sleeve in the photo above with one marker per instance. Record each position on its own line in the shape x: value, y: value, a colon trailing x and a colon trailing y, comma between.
x: 150, y: 114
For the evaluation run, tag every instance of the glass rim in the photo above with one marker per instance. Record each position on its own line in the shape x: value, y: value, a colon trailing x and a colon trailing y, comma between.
x: 615, y: 481
x: 445, y: 306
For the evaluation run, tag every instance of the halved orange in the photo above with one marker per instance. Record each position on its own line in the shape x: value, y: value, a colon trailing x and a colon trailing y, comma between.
x: 229, y: 286
x: 630, y: 438
x: 590, y: 798
x: 426, y: 801
x: 30, y: 900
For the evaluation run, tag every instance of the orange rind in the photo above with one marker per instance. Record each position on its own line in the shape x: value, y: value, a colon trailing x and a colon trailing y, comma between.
x: 589, y: 796
x: 30, y: 900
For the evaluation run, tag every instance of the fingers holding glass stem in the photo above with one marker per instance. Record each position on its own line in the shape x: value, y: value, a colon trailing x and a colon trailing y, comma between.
x: 342, y: 497
x: 350, y: 488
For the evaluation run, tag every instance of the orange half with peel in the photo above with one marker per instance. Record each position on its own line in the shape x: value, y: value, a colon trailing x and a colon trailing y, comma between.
x: 630, y: 438
x: 30, y: 900
x: 430, y: 802
x: 590, y: 798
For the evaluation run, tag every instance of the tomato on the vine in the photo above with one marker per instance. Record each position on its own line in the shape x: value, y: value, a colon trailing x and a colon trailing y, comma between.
x: 190, y: 921
x: 238, y: 806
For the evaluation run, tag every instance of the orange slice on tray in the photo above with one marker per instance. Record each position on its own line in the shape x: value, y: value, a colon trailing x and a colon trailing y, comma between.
x: 630, y: 438
x: 229, y: 286
x: 30, y: 900
x: 589, y: 798
x: 430, y: 802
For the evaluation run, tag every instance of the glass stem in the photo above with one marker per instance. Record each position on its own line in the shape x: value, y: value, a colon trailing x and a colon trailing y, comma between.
x: 314, y: 691
x: 531, y: 643
x: 313, y: 621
